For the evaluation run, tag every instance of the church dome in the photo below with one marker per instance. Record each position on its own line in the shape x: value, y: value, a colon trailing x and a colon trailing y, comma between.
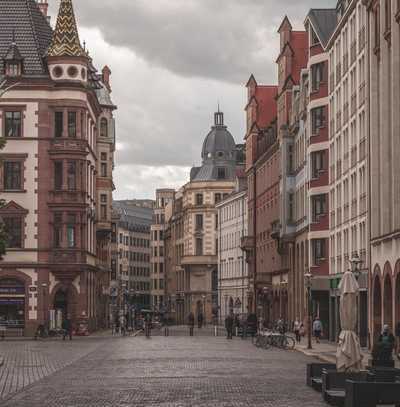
x: 219, y: 143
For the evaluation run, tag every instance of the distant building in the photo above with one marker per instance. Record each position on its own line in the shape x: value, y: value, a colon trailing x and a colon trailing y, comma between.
x: 233, y: 282
x: 132, y: 282
x: 163, y: 197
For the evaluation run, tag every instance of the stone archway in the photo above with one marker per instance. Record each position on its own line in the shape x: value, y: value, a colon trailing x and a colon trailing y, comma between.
x: 397, y: 293
x: 388, y: 297
x: 377, y: 305
x: 64, y: 302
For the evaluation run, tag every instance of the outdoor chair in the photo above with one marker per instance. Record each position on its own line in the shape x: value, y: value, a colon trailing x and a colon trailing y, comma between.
x: 314, y: 374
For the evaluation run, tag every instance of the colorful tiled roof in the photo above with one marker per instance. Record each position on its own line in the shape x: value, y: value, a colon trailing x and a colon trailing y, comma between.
x: 22, y: 22
x: 65, y: 40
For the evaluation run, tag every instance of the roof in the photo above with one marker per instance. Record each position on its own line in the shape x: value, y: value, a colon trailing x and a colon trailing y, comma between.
x: 134, y: 217
x: 13, y: 53
x: 65, y: 41
x: 267, y: 111
x: 103, y: 96
x: 324, y: 22
x: 32, y: 31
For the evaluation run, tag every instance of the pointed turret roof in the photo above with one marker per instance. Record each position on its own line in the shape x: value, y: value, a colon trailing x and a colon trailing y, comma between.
x: 65, y: 40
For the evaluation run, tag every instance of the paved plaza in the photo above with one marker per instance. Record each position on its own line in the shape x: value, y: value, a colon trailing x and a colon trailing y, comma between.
x: 176, y: 371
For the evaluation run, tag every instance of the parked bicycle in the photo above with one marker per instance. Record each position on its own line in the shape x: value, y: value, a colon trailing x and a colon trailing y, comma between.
x: 266, y: 339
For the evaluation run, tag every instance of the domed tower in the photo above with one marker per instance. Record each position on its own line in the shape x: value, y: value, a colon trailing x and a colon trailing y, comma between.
x: 66, y: 59
x: 218, y: 154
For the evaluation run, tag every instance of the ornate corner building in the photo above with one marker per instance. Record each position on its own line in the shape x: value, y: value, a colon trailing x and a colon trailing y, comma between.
x: 56, y: 171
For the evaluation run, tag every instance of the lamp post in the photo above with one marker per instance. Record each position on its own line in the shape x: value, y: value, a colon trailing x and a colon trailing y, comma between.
x: 204, y: 308
x: 308, y: 283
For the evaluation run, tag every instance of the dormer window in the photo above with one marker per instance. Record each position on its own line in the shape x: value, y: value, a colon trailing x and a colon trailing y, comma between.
x: 13, y: 69
x: 221, y: 173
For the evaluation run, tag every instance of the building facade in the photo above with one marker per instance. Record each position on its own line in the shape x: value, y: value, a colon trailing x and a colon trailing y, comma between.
x: 384, y: 94
x: 233, y: 280
x: 348, y: 154
x: 57, y: 116
x: 132, y: 285
x: 163, y: 197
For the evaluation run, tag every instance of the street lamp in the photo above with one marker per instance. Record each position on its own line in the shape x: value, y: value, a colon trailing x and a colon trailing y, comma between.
x: 308, y: 283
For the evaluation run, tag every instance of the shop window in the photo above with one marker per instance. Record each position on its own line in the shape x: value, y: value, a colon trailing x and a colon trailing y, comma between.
x: 72, y: 124
x: 13, y: 124
x: 58, y: 124
x: 12, y: 175
x: 13, y: 227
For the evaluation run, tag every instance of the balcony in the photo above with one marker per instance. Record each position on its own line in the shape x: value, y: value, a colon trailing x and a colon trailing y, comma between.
x: 70, y: 145
x: 68, y: 256
x: 353, y: 52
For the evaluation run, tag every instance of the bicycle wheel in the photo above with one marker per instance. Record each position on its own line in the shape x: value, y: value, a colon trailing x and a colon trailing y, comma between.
x: 257, y: 343
x: 290, y: 342
x: 266, y: 344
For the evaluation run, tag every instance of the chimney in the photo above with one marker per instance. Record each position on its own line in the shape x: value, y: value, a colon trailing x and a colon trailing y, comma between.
x: 106, y: 73
x: 44, y: 7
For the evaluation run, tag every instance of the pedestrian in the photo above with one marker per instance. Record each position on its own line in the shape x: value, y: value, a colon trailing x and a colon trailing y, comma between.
x: 122, y: 325
x: 296, y: 329
x: 387, y: 339
x: 200, y: 319
x: 67, y: 328
x: 229, y: 322
x: 191, y: 323
x: 397, y: 333
x: 280, y: 326
x: 317, y: 329
x: 147, y: 324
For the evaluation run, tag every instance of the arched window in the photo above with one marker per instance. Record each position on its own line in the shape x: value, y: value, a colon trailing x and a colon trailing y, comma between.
x: 103, y: 127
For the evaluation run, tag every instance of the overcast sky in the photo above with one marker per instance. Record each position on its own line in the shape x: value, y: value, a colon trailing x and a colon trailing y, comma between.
x: 172, y: 61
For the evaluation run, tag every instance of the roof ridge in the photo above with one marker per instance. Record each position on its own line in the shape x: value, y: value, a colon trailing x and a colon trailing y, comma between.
x: 28, y: 3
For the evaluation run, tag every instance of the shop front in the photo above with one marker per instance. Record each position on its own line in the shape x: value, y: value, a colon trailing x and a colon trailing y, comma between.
x: 12, y: 304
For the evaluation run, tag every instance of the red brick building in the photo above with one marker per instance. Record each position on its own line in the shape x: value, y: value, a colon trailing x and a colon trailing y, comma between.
x: 262, y: 170
x: 56, y: 172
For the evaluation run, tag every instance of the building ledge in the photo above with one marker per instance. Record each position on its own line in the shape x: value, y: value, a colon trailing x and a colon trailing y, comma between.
x: 200, y: 260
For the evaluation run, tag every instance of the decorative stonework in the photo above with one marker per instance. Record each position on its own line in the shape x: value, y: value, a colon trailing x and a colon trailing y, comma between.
x: 65, y: 40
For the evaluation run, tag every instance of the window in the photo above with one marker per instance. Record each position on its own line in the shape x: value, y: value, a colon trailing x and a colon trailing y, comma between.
x: 317, y: 163
x: 318, y: 119
x: 161, y: 267
x: 217, y: 198
x: 221, y: 173
x: 317, y: 75
x: 13, y: 127
x: 58, y: 175
x: 377, y: 28
x: 103, y: 207
x: 290, y: 159
x: 13, y: 69
x: 199, y: 247
x: 71, y: 175
x: 12, y: 175
x: 103, y: 169
x: 103, y: 127
x: 103, y: 156
x: 72, y: 124
x: 71, y: 222
x: 199, y: 222
x: 318, y: 206
x: 57, y: 230
x: 13, y: 227
x: 291, y: 207
x: 216, y: 221
x: 161, y: 284
x: 199, y: 199
x: 58, y: 124
x: 319, y: 250
x: 388, y: 17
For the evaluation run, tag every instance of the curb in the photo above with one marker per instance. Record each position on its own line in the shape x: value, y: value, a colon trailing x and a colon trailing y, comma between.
x: 316, y: 355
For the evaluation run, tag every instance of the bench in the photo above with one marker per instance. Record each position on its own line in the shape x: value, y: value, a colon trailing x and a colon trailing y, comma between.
x: 371, y: 394
x: 334, y: 385
x: 314, y: 374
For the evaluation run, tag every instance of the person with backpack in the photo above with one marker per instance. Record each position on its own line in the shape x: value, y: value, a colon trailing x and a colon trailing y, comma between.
x: 317, y: 328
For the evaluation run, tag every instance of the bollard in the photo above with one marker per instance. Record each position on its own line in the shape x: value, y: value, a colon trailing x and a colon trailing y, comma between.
x: 215, y: 330
x: 237, y: 332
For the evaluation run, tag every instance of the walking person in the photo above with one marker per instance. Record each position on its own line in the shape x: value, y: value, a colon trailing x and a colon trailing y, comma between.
x: 200, y: 320
x: 67, y: 328
x: 147, y: 325
x: 388, y: 340
x: 229, y: 322
x: 191, y: 323
x: 122, y: 325
x: 296, y: 329
x: 317, y: 329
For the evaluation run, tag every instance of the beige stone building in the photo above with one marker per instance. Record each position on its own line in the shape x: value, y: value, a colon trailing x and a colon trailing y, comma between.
x: 384, y: 61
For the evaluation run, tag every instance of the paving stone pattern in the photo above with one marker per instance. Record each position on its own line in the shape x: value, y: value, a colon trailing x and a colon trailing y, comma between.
x: 176, y: 371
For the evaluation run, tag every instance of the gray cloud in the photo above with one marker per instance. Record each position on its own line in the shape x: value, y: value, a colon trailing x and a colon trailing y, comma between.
x: 171, y: 62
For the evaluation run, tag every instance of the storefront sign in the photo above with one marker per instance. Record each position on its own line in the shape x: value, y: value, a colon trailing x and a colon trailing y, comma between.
x: 5, y: 290
x: 12, y: 301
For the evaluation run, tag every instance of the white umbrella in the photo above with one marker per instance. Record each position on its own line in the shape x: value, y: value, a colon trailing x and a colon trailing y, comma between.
x: 348, y: 354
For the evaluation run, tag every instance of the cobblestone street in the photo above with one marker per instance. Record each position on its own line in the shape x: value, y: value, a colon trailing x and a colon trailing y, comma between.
x: 171, y: 372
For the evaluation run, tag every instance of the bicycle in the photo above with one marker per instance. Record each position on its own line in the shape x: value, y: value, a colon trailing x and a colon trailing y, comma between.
x: 281, y: 341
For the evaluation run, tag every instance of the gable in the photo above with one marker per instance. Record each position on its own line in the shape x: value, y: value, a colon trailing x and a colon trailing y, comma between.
x: 13, y: 208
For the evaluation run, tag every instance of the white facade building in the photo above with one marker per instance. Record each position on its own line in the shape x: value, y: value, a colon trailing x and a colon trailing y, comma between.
x: 232, y: 266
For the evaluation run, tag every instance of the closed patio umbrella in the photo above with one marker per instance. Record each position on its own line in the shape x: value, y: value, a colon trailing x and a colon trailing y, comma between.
x: 348, y: 354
